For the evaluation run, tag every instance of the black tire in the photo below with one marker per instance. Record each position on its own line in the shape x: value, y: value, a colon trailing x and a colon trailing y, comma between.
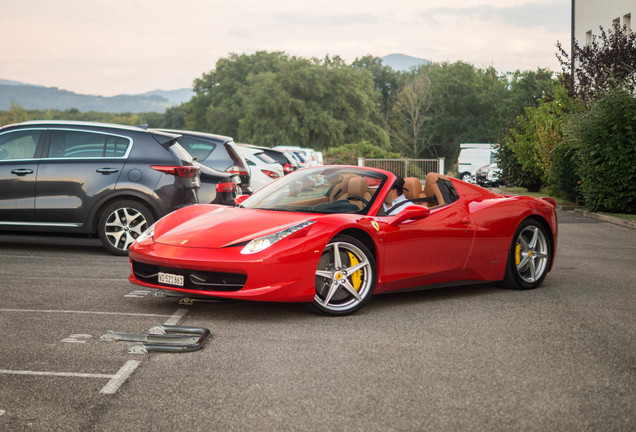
x: 529, y: 257
x: 345, y: 278
x: 121, y: 223
x: 465, y: 177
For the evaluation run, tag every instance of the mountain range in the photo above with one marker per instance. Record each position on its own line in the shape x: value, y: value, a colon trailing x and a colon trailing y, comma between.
x: 38, y: 97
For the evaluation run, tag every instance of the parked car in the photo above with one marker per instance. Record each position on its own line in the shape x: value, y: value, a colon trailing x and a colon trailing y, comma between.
x: 308, y: 156
x: 263, y: 169
x: 285, y: 158
x: 296, y: 240
x: 91, y: 178
x: 215, y: 151
x: 487, y: 175
x: 471, y: 157
x: 218, y: 187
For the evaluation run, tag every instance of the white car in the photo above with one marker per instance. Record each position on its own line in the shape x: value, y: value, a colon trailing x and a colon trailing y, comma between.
x: 310, y: 157
x: 263, y: 169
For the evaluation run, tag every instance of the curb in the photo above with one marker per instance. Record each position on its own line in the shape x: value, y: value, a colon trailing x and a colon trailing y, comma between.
x: 601, y: 217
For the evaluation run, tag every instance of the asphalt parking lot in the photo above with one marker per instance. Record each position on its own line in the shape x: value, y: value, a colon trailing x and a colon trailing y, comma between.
x: 477, y: 358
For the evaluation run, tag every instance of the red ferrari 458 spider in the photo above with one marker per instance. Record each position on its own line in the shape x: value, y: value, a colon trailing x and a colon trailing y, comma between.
x: 323, y: 236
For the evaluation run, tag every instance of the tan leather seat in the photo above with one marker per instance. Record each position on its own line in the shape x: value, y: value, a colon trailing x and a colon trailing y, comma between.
x: 340, y: 187
x: 358, y: 186
x: 413, y: 189
x: 431, y: 189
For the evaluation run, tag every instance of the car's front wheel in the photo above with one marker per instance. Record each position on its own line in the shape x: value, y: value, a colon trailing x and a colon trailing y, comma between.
x: 529, y: 256
x: 121, y: 223
x: 345, y: 277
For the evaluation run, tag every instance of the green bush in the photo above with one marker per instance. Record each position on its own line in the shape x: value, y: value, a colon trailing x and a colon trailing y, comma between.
x: 348, y: 154
x: 513, y: 173
x: 605, y: 136
x: 565, y: 181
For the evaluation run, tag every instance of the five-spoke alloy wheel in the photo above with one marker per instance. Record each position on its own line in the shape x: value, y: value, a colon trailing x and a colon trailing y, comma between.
x: 529, y: 257
x: 345, y: 277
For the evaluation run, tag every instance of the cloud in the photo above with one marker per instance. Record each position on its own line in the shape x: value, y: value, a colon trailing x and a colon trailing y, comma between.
x: 527, y: 15
x: 326, y: 20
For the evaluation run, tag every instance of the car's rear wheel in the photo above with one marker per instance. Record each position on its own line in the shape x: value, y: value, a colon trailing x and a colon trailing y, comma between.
x: 121, y: 223
x: 345, y: 277
x: 529, y: 256
x: 465, y: 177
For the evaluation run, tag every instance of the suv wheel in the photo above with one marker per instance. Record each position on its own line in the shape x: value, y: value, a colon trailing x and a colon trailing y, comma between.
x: 121, y: 223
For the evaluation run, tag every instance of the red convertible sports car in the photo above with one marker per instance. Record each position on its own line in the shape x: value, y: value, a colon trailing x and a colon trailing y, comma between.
x: 322, y: 236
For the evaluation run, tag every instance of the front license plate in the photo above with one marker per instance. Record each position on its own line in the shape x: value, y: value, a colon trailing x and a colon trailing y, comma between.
x: 170, y: 279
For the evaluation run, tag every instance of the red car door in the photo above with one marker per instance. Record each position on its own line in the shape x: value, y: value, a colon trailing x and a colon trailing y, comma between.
x: 430, y: 250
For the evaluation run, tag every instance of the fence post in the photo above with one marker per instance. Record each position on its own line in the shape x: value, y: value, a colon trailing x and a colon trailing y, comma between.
x: 360, y: 162
x: 440, y: 165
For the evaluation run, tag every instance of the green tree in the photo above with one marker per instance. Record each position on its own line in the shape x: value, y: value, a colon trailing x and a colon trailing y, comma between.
x: 217, y: 105
x: 532, y: 142
x: 410, y: 115
x: 466, y: 106
x: 526, y: 89
x: 386, y: 81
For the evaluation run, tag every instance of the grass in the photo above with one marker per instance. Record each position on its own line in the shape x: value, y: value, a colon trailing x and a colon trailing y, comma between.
x: 540, y: 194
x: 560, y: 201
x: 628, y: 217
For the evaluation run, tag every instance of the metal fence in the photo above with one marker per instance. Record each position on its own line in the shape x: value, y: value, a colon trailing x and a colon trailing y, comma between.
x: 406, y: 167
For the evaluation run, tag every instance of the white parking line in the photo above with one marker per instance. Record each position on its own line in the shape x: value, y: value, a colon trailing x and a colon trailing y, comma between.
x: 120, y: 377
x: 176, y: 317
x: 85, y: 312
x: 56, y: 374
x: 111, y: 387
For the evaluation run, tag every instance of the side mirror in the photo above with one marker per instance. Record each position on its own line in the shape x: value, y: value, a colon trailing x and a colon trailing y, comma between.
x: 413, y: 212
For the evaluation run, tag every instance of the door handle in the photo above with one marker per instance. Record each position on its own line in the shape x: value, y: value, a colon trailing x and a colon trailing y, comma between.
x: 22, y: 171
x: 107, y: 170
x: 465, y: 220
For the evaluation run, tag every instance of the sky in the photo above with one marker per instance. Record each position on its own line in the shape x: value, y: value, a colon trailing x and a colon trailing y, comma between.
x: 110, y: 47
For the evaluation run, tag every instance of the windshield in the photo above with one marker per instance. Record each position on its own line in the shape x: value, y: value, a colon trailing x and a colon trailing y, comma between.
x: 324, y: 189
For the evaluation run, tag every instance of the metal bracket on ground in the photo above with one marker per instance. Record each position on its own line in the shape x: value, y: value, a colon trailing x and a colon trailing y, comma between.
x: 163, y: 338
x: 184, y: 299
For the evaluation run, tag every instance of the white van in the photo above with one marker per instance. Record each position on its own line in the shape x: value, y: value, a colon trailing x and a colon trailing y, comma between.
x: 473, y: 156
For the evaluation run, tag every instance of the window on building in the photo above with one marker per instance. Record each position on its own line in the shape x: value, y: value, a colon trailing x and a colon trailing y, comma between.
x: 588, y: 37
x: 627, y: 21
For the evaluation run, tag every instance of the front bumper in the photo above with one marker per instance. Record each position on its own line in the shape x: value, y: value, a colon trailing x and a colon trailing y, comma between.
x: 279, y: 275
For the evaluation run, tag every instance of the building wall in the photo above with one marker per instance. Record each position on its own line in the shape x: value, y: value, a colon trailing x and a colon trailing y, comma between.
x: 590, y: 14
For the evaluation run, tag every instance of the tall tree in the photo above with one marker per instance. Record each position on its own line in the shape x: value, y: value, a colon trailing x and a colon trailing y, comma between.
x: 410, y: 114
x: 466, y: 106
x: 385, y: 80
x: 608, y: 62
x: 312, y: 103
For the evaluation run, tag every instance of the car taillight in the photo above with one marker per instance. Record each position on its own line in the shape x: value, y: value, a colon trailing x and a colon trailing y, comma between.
x: 179, y: 171
x: 270, y: 174
x: 238, y: 171
x: 226, y: 187
x: 288, y: 168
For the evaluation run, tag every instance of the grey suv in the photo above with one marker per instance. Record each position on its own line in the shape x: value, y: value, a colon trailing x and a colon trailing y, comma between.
x: 91, y: 178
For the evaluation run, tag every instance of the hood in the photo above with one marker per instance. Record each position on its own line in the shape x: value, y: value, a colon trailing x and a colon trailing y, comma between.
x: 211, y: 226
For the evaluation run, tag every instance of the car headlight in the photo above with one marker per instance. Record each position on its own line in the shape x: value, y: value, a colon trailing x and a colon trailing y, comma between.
x: 149, y: 233
x: 263, y: 243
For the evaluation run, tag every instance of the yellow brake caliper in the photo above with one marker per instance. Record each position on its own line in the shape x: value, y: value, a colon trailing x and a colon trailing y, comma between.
x: 518, y: 254
x: 356, y: 278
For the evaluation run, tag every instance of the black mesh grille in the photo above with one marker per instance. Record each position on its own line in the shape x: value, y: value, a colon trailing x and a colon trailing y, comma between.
x: 192, y: 279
